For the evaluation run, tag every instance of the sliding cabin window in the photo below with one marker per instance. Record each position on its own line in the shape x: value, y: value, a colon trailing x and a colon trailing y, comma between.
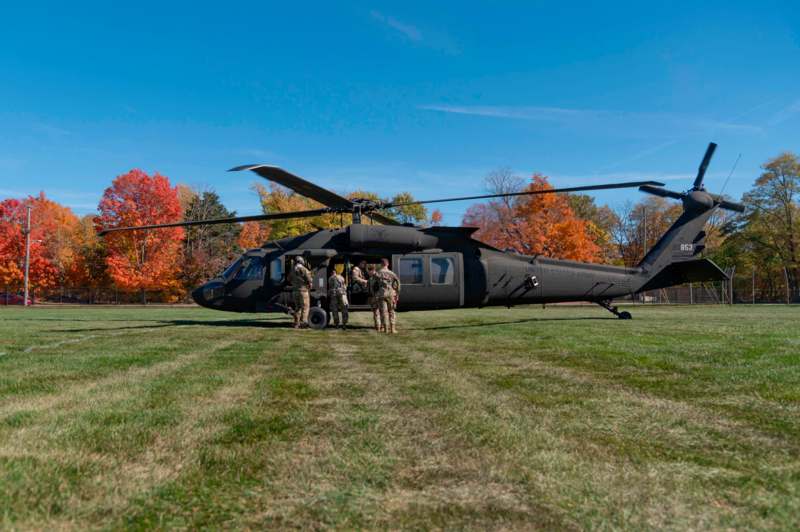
x: 443, y: 270
x: 411, y: 270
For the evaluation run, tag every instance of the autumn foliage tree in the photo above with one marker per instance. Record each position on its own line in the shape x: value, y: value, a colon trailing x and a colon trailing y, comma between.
x: 253, y: 235
x: 52, y: 256
x: 207, y: 249
x: 538, y: 224
x: 142, y: 260
x: 89, y: 268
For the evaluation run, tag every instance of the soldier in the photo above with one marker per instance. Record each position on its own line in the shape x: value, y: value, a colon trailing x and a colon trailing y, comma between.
x: 337, y: 298
x: 358, y: 278
x: 373, y: 296
x: 300, y: 280
x: 388, y: 287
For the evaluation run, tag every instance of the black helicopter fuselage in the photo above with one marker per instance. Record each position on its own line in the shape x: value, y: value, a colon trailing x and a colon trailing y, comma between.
x: 439, y: 268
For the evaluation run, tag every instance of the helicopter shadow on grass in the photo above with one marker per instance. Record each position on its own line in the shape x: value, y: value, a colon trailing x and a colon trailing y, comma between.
x: 282, y: 323
x: 508, y: 322
x: 271, y: 323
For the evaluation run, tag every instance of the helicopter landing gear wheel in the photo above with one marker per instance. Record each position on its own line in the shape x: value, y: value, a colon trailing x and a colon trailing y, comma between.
x: 606, y: 304
x: 317, y: 318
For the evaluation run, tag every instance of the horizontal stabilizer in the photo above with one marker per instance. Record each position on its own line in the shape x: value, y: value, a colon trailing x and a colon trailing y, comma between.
x: 690, y: 271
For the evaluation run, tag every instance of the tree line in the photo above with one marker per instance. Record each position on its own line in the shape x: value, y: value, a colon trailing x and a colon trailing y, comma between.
x: 67, y: 251
x: 764, y: 240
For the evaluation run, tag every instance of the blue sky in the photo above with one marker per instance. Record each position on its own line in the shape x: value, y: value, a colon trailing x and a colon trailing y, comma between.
x: 393, y: 96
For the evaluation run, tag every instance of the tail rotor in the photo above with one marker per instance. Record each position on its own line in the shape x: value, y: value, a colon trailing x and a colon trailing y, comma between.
x: 701, y: 172
x: 697, y: 197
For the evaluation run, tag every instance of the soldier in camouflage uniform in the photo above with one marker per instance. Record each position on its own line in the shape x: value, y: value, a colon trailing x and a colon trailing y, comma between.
x: 301, y: 281
x: 358, y: 279
x: 337, y: 298
x: 373, y: 297
x: 388, y: 290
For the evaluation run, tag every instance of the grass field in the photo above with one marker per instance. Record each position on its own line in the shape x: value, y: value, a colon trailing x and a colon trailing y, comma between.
x: 566, y: 418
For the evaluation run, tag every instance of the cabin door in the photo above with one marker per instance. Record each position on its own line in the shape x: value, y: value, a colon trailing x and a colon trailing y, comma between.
x: 430, y: 280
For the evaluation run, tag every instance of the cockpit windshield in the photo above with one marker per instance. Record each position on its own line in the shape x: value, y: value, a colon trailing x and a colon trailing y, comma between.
x: 252, y: 269
x: 230, y: 270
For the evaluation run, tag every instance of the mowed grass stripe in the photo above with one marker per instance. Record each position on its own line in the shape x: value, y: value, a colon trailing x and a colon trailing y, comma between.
x: 607, y: 449
x: 115, y: 361
x: 602, y: 418
x: 442, y: 478
x: 525, y: 419
x: 256, y: 437
x: 140, y: 428
x: 34, y: 368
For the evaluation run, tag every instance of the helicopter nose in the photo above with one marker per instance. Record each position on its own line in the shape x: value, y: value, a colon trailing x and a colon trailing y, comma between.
x: 209, y: 295
x: 197, y: 295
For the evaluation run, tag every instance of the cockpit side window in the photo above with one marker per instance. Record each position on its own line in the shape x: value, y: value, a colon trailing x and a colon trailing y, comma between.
x: 252, y: 269
x: 230, y: 270
x: 276, y: 270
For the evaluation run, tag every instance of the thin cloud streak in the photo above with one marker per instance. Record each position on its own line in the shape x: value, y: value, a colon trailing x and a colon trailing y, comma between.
x: 621, y: 120
x: 412, y: 33
x: 433, y: 39
x: 642, y: 154
x: 785, y: 114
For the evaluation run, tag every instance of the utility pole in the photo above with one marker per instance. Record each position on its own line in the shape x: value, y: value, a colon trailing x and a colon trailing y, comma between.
x: 27, y: 253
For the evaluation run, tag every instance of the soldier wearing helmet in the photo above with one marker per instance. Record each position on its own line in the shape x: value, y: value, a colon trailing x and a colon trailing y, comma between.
x: 337, y: 298
x: 301, y: 281
x: 388, y: 285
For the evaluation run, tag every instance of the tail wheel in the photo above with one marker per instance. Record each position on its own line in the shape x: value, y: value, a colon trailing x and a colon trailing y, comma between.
x: 625, y: 315
x: 317, y: 318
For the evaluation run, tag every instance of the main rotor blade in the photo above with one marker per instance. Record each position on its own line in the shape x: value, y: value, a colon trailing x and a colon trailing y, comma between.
x: 663, y: 192
x: 378, y: 217
x: 298, y: 184
x: 216, y: 221
x: 701, y: 172
x: 629, y: 184
x: 308, y: 189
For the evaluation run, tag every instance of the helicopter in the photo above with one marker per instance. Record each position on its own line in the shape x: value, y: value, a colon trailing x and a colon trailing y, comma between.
x: 445, y: 267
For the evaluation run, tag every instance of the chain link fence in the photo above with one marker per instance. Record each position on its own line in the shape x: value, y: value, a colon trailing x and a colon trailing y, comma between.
x: 93, y: 296
x: 750, y: 287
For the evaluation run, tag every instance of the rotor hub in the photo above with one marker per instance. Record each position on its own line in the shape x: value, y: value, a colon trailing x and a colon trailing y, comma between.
x: 698, y: 200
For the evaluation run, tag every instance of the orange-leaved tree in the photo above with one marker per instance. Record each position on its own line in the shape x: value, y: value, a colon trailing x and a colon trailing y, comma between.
x: 142, y: 260
x: 52, y: 248
x: 89, y: 268
x: 253, y: 235
x: 57, y: 226
x: 538, y: 224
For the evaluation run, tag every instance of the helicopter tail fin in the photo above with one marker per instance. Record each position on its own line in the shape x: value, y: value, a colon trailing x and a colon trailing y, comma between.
x: 675, y: 259
x: 685, y: 240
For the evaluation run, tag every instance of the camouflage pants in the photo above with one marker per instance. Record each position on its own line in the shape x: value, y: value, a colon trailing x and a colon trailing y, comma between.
x: 302, y: 304
x: 386, y: 306
x: 376, y: 312
x: 339, y: 303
